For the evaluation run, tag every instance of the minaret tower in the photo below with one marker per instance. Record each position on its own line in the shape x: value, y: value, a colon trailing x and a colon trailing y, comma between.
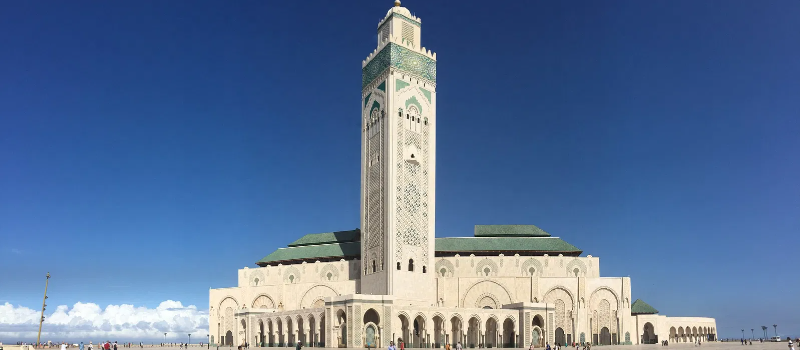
x: 398, y: 162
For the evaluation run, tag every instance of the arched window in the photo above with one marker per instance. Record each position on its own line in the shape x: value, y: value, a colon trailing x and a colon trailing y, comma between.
x: 443, y: 271
x: 373, y: 266
x: 486, y: 270
x: 410, y: 264
x: 398, y: 266
x: 329, y: 276
x: 424, y: 270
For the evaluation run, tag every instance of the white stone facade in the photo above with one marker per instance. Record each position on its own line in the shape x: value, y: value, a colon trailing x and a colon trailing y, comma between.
x: 400, y: 285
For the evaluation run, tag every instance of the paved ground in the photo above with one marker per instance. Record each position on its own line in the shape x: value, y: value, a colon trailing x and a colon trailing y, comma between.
x: 682, y: 346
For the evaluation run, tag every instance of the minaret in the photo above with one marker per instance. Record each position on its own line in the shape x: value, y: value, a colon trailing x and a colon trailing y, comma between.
x: 398, y: 162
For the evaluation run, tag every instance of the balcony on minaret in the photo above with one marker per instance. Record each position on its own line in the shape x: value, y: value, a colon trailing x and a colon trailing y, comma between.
x: 401, y: 26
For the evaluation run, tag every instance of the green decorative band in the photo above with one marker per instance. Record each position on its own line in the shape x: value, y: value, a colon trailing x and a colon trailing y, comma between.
x: 401, y: 58
x: 382, y: 87
x: 409, y: 20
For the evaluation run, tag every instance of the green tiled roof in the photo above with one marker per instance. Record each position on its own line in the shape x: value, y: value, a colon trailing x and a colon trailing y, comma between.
x: 488, y: 238
x: 328, y: 237
x: 333, y: 250
x: 640, y: 307
x: 536, y: 244
x: 509, y: 231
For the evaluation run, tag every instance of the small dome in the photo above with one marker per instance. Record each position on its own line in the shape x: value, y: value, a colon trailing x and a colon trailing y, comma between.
x: 399, y: 10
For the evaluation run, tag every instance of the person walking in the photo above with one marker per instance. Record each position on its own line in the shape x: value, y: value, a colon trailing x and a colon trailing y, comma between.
x: 299, y: 346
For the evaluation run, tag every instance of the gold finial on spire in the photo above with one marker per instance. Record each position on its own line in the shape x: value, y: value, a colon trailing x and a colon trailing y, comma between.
x: 396, y: 3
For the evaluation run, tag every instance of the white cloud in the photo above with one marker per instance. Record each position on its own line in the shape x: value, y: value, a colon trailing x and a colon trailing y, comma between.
x: 88, y: 322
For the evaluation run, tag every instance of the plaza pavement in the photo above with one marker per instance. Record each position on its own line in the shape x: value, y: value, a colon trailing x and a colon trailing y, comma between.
x: 679, y: 346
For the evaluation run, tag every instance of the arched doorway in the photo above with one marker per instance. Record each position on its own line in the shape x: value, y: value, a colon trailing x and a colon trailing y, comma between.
x: 271, y: 334
x: 473, y: 333
x: 673, y: 335
x: 438, y: 331
x: 242, y: 339
x: 372, y: 323
x: 536, y: 336
x: 509, y: 336
x: 420, y: 328
x: 290, y: 336
x: 313, y: 337
x: 561, y: 339
x: 490, y: 339
x: 648, y: 334
x: 301, y: 333
x: 404, y: 331
x: 229, y: 338
x: 457, y: 331
x: 321, y: 340
x: 260, y: 337
x: 341, y: 319
x: 281, y: 334
x: 538, y: 326
x: 605, y: 336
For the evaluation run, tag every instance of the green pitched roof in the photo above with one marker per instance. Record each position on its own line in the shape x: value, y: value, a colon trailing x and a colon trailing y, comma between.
x: 495, y: 244
x: 322, y: 251
x: 328, y: 237
x: 509, y: 231
x: 640, y: 307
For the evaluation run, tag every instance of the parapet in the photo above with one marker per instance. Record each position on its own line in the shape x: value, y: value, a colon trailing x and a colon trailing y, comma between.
x: 397, y: 40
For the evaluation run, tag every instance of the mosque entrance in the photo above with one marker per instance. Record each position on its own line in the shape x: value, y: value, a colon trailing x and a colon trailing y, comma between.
x: 605, y: 336
x: 649, y: 336
x: 228, y: 339
x: 561, y: 339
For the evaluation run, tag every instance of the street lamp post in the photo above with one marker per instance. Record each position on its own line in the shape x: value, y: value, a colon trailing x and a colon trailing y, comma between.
x: 208, y: 342
x: 165, y: 338
x: 752, y: 335
x: 190, y: 339
x: 742, y: 333
x: 776, y: 329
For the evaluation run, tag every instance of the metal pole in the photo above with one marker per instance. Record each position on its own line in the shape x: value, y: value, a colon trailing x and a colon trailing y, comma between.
x: 41, y: 320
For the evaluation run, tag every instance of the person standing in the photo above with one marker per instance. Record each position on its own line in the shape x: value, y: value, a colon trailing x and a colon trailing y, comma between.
x: 299, y: 345
x: 391, y: 346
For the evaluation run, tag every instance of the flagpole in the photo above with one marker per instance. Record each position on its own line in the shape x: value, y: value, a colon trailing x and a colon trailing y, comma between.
x: 41, y: 320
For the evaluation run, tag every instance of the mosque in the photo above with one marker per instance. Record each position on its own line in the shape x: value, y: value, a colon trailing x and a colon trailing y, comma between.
x: 506, y: 286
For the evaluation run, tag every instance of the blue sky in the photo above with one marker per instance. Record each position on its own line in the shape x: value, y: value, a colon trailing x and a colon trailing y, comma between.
x: 148, y: 149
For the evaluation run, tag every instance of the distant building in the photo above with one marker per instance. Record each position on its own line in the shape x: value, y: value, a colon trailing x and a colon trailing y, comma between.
x: 508, y: 286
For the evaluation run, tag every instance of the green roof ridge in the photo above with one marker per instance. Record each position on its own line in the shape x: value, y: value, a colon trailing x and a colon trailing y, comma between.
x: 537, y: 244
x: 327, y: 237
x: 333, y: 250
x: 640, y: 307
x: 509, y: 231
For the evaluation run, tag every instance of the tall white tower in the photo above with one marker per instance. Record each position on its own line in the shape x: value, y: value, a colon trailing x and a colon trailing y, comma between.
x: 398, y: 162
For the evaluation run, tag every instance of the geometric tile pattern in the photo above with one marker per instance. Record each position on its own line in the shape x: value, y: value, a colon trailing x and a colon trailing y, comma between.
x: 395, y: 55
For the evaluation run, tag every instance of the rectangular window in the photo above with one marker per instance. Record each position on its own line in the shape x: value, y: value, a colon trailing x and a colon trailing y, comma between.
x: 408, y: 33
